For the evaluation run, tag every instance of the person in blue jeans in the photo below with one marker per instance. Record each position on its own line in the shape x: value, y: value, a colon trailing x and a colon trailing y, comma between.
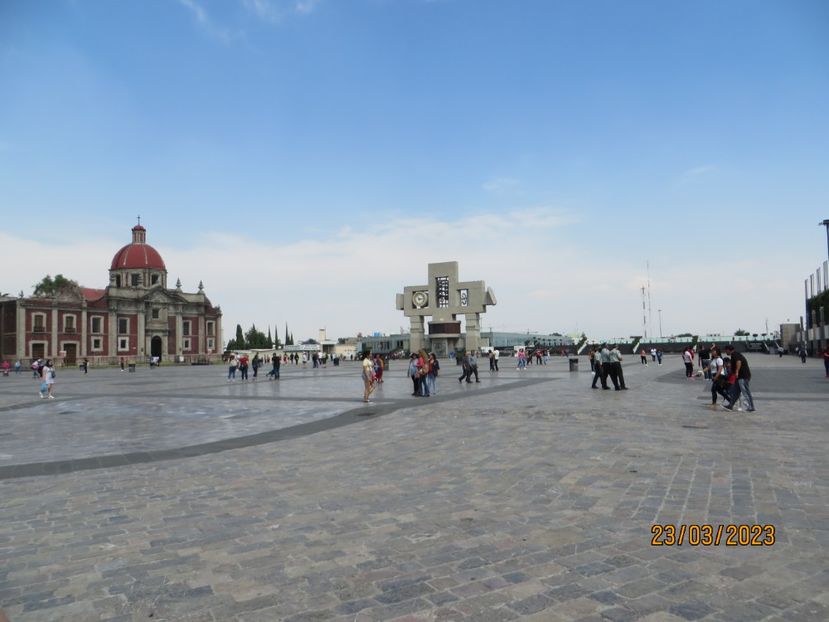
x: 231, y: 369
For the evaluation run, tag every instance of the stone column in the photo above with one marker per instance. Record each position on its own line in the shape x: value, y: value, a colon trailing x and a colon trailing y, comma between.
x: 179, y: 331
x: 202, y: 348
x: 217, y: 338
x: 54, y: 330
x: 416, y: 335
x: 473, y: 331
x: 112, y: 347
x: 141, y: 330
x: 21, y: 331
x: 84, y: 322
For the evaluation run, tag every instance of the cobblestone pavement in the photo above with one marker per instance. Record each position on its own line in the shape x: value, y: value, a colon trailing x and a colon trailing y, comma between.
x: 528, y: 496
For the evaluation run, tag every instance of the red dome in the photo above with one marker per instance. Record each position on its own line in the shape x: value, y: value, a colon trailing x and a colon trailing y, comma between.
x: 141, y: 256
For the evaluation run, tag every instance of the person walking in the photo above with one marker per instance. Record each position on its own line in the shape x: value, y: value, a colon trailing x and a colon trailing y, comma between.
x: 825, y: 359
x: 497, y: 354
x: 598, y: 374
x: 705, y: 361
x: 719, y: 382
x: 742, y: 373
x: 522, y: 359
x: 232, y: 364
x: 473, y: 366
x: 659, y: 356
x: 256, y: 363
x: 48, y: 375
x: 243, y: 366
x: 17, y: 367
x: 275, y: 365
x: 803, y: 354
x: 414, y: 375
x: 643, y: 357
x: 491, y: 360
x: 379, y: 366
x: 367, y: 376
x: 607, y: 368
x: 688, y: 359
x: 466, y: 368
x: 592, y: 358
x: 616, y: 369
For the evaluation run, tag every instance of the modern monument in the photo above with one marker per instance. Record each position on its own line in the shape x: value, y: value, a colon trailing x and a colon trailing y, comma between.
x: 444, y: 298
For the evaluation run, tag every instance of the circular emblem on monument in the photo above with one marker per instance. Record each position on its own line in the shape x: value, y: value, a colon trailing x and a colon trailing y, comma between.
x: 420, y: 299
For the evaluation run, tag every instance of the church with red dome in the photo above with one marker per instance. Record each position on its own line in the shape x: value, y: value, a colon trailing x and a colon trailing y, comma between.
x: 135, y: 318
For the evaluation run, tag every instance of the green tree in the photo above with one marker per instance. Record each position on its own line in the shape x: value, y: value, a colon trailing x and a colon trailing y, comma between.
x: 49, y: 287
x: 255, y: 338
x: 270, y: 339
x: 741, y: 333
x: 287, y: 338
x: 240, y: 338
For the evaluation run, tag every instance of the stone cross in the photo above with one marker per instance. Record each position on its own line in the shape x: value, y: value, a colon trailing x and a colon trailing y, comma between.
x: 443, y: 298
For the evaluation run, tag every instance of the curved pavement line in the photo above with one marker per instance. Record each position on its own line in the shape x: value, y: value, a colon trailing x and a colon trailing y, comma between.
x: 355, y: 415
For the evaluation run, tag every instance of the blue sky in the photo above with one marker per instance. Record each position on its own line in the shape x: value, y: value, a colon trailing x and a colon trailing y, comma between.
x: 307, y: 159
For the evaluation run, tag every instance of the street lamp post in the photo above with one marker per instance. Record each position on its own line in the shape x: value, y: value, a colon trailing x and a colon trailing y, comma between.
x: 660, y: 322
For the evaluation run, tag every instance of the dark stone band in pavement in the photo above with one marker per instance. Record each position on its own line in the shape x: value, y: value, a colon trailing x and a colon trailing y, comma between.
x: 355, y: 415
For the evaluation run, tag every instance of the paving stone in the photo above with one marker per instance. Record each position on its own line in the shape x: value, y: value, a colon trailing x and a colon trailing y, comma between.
x: 508, y: 496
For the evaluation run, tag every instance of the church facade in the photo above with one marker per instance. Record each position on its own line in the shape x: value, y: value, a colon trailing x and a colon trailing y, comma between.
x: 137, y: 316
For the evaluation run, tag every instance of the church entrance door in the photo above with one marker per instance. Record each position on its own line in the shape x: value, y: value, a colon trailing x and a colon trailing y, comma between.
x: 155, y: 347
x: 71, y: 350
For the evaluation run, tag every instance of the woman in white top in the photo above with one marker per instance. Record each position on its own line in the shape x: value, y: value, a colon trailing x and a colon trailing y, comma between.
x: 719, y: 382
x: 48, y: 372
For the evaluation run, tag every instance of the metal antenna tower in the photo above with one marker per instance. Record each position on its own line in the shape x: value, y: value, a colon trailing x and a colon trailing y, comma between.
x: 644, y: 316
x: 650, y: 316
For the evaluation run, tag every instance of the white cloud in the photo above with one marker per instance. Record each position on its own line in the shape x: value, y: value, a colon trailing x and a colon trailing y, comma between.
x: 499, y: 184
x: 547, y: 274
x: 206, y: 24
x: 275, y: 11
x: 306, y: 6
x: 695, y: 173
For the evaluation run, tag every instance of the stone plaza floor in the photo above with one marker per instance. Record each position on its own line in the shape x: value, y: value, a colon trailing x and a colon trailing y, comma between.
x: 172, y: 494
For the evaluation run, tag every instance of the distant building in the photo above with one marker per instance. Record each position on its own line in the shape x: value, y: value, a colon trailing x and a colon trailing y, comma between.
x: 814, y: 329
x: 135, y: 317
x: 506, y: 342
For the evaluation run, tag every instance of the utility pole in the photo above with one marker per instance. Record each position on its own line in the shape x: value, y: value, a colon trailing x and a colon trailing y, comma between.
x: 825, y: 223
x: 660, y: 322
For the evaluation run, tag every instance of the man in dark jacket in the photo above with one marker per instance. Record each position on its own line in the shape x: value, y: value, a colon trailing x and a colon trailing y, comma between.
x: 740, y: 369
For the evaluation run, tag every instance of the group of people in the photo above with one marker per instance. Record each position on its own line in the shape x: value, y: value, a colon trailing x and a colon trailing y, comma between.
x: 44, y: 373
x: 242, y: 363
x: 656, y: 356
x: 730, y: 376
x: 423, y: 370
x: 606, y: 362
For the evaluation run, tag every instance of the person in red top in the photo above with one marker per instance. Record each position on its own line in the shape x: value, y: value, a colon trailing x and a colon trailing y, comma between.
x: 826, y: 359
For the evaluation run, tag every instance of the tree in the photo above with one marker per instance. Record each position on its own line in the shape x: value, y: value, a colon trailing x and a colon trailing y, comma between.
x: 255, y: 338
x: 741, y: 333
x: 49, y: 287
x: 287, y: 339
x: 239, y: 342
x: 270, y: 339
